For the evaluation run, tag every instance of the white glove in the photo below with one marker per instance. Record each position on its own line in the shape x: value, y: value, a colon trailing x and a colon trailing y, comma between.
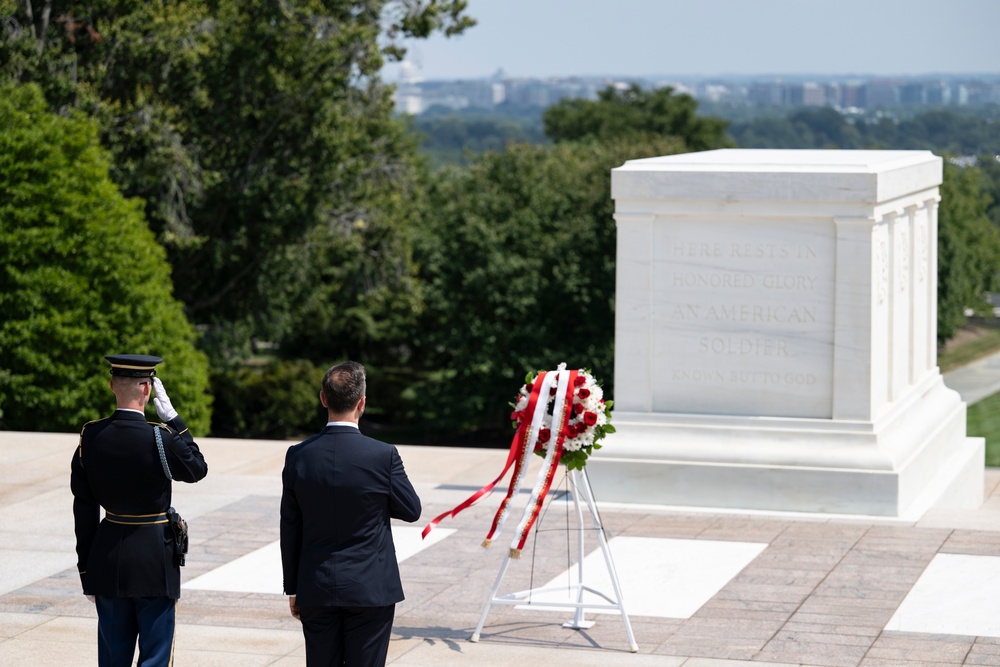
x: 162, y: 401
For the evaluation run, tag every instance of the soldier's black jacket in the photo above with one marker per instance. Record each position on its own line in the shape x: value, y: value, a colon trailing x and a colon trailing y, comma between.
x: 117, y: 466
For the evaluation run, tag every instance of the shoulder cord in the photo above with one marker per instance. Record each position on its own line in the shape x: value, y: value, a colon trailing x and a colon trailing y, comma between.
x: 163, y: 455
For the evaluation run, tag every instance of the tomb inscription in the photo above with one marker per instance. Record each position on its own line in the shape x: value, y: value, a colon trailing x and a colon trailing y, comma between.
x: 744, y: 320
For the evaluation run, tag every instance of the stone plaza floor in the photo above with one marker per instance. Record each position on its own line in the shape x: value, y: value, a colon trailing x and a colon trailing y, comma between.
x: 701, y: 588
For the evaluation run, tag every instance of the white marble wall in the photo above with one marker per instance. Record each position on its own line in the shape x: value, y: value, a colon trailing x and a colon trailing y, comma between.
x: 778, y: 308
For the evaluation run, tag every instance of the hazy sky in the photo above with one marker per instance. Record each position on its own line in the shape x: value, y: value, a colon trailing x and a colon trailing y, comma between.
x: 716, y: 37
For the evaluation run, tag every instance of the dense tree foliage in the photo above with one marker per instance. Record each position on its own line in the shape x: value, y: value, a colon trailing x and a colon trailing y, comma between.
x: 81, y: 276
x: 274, y: 400
x: 822, y: 127
x: 263, y: 144
x: 618, y: 114
x: 939, y: 130
x: 968, y: 249
x: 517, y: 256
x: 943, y: 131
x: 246, y: 127
x: 989, y: 165
x: 458, y: 137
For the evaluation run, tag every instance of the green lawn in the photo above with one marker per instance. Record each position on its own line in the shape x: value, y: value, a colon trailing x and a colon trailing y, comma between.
x: 984, y: 421
x: 986, y: 342
x: 983, y: 418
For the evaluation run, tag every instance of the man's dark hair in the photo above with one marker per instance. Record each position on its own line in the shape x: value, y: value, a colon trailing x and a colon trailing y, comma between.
x: 343, y: 386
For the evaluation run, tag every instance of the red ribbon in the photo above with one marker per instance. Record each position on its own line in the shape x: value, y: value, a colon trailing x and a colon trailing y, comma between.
x: 517, y: 446
x: 522, y: 441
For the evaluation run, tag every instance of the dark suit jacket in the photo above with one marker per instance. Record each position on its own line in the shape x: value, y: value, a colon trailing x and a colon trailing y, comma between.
x: 117, y: 466
x: 340, y: 488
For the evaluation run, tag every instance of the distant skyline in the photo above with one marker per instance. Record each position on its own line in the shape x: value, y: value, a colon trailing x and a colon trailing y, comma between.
x: 645, y: 38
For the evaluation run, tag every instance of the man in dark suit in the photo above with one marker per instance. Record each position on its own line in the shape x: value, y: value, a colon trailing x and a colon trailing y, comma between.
x: 128, y: 562
x: 340, y: 489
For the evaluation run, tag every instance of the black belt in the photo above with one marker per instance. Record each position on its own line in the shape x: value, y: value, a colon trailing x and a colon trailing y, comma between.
x: 136, y: 519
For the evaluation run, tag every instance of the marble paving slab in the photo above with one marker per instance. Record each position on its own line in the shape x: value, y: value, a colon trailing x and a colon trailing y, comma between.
x: 24, y: 566
x: 956, y: 595
x: 659, y: 577
x: 260, y: 571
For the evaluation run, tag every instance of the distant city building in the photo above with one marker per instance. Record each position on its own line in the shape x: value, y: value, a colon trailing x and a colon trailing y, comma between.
x: 961, y: 95
x: 713, y: 92
x: 834, y: 96
x: 881, y: 93
x: 414, y: 95
x: 911, y: 94
x: 982, y: 92
x: 806, y: 95
x: 938, y: 93
x: 852, y: 95
x: 767, y: 94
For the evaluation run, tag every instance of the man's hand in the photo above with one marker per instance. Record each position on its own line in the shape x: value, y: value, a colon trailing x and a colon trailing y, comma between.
x: 92, y: 599
x: 294, y: 608
x: 162, y: 401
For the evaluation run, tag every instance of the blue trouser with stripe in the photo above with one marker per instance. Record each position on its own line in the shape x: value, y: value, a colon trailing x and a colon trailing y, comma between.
x: 120, y: 621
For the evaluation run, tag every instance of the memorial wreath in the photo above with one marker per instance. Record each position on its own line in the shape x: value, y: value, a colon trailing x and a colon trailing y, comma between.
x: 589, y: 418
x: 562, y: 416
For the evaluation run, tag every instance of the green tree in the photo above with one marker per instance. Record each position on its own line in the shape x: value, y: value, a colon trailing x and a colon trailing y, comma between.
x: 277, y: 400
x: 939, y: 130
x: 821, y: 127
x: 362, y: 293
x: 989, y: 166
x: 616, y: 114
x: 517, y: 254
x: 947, y: 131
x: 458, y: 137
x: 81, y: 276
x: 768, y: 133
x: 883, y: 133
x: 248, y: 127
x: 826, y: 128
x: 968, y: 249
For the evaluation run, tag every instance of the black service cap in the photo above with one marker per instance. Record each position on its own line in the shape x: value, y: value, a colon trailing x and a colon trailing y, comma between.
x: 133, y: 365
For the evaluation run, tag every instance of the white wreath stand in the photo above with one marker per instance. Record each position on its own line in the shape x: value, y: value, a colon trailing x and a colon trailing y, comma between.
x: 580, y: 487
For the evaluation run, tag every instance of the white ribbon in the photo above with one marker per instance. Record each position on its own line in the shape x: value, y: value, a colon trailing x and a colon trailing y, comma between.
x: 550, y: 448
x: 541, y: 407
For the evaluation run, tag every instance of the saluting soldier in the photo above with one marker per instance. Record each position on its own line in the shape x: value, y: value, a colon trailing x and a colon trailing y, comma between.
x: 130, y: 561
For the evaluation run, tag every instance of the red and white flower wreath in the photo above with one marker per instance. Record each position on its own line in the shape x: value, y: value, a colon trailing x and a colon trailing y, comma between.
x: 589, y: 417
x: 560, y: 415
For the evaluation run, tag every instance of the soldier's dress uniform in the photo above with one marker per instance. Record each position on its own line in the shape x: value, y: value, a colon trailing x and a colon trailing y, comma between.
x: 127, y: 560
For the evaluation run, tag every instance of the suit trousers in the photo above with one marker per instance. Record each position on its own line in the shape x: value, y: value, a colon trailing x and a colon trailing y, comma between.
x: 121, y: 620
x: 348, y: 636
